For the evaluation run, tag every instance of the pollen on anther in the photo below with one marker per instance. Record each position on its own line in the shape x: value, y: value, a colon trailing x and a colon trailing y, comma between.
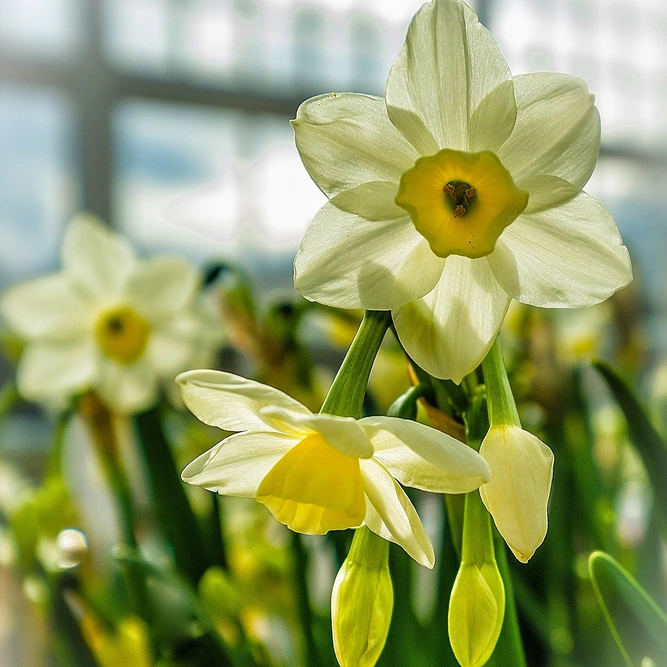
x: 449, y: 189
x: 471, y: 192
x: 459, y: 211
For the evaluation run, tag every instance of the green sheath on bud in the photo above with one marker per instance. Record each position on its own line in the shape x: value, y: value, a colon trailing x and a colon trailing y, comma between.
x: 362, y: 601
x: 477, y: 603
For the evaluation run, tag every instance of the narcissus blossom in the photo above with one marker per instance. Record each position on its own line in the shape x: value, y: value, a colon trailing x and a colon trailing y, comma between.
x: 458, y: 191
x: 107, y: 322
x: 518, y: 493
x: 320, y: 472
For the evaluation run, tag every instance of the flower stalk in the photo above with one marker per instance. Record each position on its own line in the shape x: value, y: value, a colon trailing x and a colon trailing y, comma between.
x: 500, y: 401
x: 346, y: 395
x: 176, y: 517
x: 98, y: 421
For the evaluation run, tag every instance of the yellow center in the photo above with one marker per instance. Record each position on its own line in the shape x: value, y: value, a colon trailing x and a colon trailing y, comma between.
x: 315, y: 488
x: 460, y: 202
x: 122, y: 334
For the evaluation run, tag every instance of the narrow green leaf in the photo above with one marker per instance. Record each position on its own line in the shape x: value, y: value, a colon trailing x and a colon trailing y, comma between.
x: 645, y: 437
x: 636, y: 622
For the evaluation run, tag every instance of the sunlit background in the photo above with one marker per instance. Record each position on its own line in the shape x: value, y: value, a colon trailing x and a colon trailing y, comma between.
x: 169, y: 119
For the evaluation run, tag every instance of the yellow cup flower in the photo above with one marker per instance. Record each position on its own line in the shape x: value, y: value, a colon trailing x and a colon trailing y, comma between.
x: 320, y: 472
x: 108, y: 321
x: 458, y: 191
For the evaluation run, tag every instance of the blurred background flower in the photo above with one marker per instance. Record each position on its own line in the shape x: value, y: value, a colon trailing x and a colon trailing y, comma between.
x: 169, y: 120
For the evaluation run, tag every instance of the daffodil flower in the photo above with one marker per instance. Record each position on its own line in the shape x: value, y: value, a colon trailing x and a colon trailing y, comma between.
x: 107, y: 322
x: 321, y: 472
x: 459, y: 190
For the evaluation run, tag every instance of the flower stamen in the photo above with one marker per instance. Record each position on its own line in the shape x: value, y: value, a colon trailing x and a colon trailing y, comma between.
x: 122, y: 334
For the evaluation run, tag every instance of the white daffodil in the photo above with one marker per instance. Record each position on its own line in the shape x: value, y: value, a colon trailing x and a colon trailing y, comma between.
x: 320, y: 472
x: 458, y: 191
x: 107, y: 322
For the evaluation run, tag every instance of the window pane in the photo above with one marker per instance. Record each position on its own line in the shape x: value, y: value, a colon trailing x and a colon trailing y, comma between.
x: 619, y: 48
x: 41, y: 27
x: 38, y: 187
x: 210, y: 183
x: 271, y: 46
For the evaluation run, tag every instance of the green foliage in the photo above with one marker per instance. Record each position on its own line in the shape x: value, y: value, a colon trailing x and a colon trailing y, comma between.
x: 637, y: 623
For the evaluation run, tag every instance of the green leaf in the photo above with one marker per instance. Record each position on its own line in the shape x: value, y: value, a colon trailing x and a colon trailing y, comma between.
x: 645, y: 437
x: 636, y: 622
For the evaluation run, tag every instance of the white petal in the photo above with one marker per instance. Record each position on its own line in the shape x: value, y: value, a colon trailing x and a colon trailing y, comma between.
x: 423, y: 457
x: 128, y: 388
x: 95, y: 258
x: 565, y: 257
x: 347, y: 261
x: 493, y: 120
x: 343, y: 433
x: 518, y: 493
x: 557, y: 129
x: 162, y: 286
x: 373, y: 201
x: 237, y: 465
x: 169, y: 354
x: 346, y: 139
x: 391, y: 515
x: 546, y: 192
x: 448, y: 65
x: 450, y: 330
x: 47, y: 307
x: 231, y: 402
x: 56, y: 368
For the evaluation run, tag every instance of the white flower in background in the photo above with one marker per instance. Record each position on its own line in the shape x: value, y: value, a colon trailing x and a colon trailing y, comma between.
x: 457, y: 192
x: 108, y: 322
x: 320, y: 472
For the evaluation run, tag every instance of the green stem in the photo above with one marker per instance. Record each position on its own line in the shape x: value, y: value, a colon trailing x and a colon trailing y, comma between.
x: 216, y: 539
x: 175, y: 515
x: 346, y: 395
x: 100, y: 426
x: 477, y: 537
x: 68, y: 643
x: 9, y: 396
x: 509, y: 649
x: 54, y: 465
x: 502, y: 408
x: 303, y: 600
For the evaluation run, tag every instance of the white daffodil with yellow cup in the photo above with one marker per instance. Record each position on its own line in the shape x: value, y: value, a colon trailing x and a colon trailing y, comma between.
x: 107, y: 322
x: 458, y: 191
x: 322, y: 472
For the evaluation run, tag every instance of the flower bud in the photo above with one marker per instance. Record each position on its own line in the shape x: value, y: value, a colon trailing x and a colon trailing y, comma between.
x: 477, y: 602
x: 476, y: 612
x: 72, y: 547
x: 518, y: 493
x: 362, y: 601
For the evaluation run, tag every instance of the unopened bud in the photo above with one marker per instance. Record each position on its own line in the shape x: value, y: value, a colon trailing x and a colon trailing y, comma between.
x: 362, y: 601
x: 477, y: 603
x: 72, y: 547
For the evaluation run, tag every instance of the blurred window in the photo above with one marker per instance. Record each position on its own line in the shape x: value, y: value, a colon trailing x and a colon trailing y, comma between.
x: 38, y: 184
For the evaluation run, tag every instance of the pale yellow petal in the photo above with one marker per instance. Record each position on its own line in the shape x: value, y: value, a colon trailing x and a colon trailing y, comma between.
x: 423, y: 457
x: 391, y: 515
x: 449, y: 331
x: 229, y: 401
x: 518, y: 493
x: 448, y: 65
